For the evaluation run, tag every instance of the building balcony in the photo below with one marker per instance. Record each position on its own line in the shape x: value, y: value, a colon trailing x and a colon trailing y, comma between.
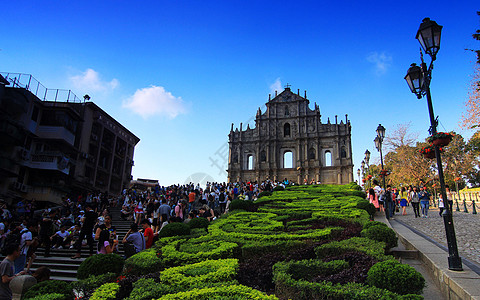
x: 55, y: 161
x: 55, y: 133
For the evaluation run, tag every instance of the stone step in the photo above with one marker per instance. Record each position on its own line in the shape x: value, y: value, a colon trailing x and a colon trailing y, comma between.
x: 406, y: 254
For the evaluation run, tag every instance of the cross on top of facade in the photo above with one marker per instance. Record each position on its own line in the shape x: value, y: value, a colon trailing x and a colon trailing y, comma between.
x: 287, y: 86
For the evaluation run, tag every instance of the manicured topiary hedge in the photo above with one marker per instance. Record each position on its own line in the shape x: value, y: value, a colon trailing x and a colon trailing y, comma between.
x: 181, y: 252
x: 174, y: 229
x: 144, y: 262
x: 201, y: 274
x: 100, y: 264
x: 108, y: 291
x: 227, y: 292
x: 50, y: 287
x: 370, y: 247
x: 396, y: 277
x: 381, y: 233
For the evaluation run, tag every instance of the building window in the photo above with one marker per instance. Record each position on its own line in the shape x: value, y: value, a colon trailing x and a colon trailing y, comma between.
x: 328, y: 159
x: 287, y: 113
x: 250, y: 162
x: 286, y: 129
x: 35, y: 112
x: 288, y: 160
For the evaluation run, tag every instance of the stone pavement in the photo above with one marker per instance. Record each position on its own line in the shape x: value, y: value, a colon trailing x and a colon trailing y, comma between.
x: 467, y: 230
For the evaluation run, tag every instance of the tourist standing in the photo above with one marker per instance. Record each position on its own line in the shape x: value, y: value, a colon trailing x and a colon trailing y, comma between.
x: 135, y: 237
x: 424, y: 196
x: 441, y: 204
x: 449, y: 198
x: 147, y: 233
x: 403, y: 200
x: 7, y: 267
x: 25, y: 242
x: 415, y: 202
x: 89, y: 221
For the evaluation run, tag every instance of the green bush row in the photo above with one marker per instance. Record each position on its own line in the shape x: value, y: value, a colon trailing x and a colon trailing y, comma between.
x: 365, y: 245
x: 144, y: 262
x: 308, y: 269
x: 226, y: 292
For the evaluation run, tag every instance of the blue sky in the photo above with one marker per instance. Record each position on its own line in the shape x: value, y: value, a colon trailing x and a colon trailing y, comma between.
x: 178, y: 73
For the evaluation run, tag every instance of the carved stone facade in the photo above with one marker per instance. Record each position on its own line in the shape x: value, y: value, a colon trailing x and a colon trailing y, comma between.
x: 290, y: 141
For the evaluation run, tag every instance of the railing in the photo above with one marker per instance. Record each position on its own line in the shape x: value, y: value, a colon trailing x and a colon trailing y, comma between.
x: 28, y: 82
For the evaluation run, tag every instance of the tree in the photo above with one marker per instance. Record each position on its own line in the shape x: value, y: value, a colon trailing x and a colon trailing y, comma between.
x: 400, y: 136
x: 471, y: 117
x: 459, y: 162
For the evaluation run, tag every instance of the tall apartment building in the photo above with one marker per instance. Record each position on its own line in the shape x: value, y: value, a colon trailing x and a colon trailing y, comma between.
x: 53, y: 144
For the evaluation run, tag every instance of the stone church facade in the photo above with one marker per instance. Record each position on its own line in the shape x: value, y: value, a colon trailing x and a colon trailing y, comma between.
x: 290, y: 141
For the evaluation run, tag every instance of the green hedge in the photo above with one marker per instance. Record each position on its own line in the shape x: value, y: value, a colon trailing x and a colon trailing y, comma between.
x: 365, y: 245
x: 52, y: 296
x: 100, y: 264
x: 50, y: 287
x: 181, y: 252
x: 198, y: 223
x: 148, y: 289
x: 396, y: 277
x: 174, y: 229
x: 240, y: 204
x: 144, y: 262
x: 200, y: 275
x: 381, y: 233
x: 286, y: 287
x: 227, y: 292
x: 87, y: 286
x: 108, y: 291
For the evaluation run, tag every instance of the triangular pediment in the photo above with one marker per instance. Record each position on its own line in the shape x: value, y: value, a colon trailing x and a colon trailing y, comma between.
x: 287, y: 96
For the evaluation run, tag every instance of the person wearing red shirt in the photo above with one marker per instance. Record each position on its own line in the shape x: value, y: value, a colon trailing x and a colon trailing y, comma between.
x: 147, y: 233
x: 191, y: 200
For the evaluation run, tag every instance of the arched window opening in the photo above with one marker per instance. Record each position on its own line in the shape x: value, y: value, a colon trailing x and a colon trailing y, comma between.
x: 287, y: 113
x: 250, y: 162
x: 328, y: 159
x: 311, y: 153
x: 288, y: 159
x: 286, y: 129
x: 263, y: 156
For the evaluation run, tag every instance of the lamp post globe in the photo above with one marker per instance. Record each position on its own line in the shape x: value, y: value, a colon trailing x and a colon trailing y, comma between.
x: 381, y: 132
x: 377, y: 143
x: 367, y: 156
x: 429, y: 35
x: 415, y: 80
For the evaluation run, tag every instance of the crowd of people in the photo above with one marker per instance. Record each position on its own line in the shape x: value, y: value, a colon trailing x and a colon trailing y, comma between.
x: 394, y: 200
x: 86, y: 220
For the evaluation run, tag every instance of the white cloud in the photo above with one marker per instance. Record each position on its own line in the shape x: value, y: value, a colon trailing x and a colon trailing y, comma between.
x: 89, y: 81
x: 155, y: 100
x: 276, y: 86
x: 381, y: 61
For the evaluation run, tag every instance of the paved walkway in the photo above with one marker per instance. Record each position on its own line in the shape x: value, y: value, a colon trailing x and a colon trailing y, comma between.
x: 467, y: 230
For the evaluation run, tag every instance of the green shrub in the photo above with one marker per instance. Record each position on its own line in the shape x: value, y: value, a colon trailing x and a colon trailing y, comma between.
x: 240, y: 204
x: 382, y: 234
x: 373, y: 223
x: 108, y: 291
x: 147, y: 289
x: 263, y: 194
x: 278, y: 188
x: 365, y: 245
x: 87, y: 286
x: 227, y: 292
x: 255, y: 248
x: 52, y: 296
x: 50, y: 287
x: 198, y: 223
x: 396, y: 277
x: 200, y: 275
x: 183, y: 252
x: 100, y: 264
x: 367, y: 206
x: 142, y: 263
x: 174, y: 229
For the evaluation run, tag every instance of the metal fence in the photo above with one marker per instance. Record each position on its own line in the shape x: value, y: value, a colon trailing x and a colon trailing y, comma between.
x: 28, y: 82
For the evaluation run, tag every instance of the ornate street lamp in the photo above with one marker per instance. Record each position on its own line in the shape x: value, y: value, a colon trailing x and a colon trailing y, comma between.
x: 367, y: 157
x: 418, y: 80
x: 358, y: 174
x: 378, y: 144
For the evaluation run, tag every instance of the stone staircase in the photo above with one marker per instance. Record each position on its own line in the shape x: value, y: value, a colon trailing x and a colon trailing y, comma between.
x: 62, y: 266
